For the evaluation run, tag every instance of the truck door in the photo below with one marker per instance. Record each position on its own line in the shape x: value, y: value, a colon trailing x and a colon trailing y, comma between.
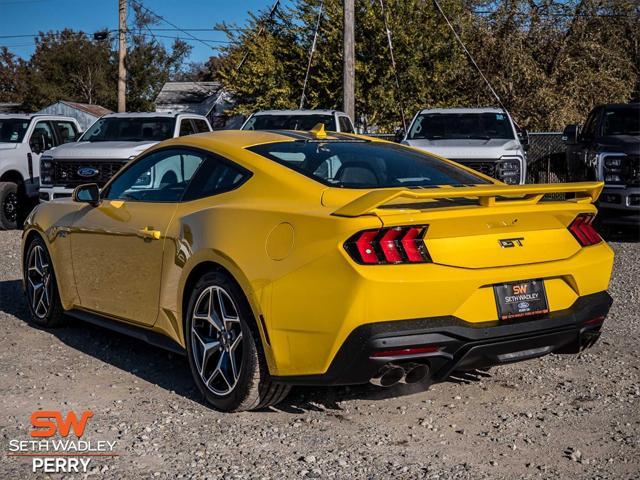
x: 579, y: 157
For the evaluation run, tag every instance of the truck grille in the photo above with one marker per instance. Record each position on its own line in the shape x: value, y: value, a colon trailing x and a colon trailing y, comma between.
x: 66, y: 172
x: 631, y: 171
x: 487, y: 167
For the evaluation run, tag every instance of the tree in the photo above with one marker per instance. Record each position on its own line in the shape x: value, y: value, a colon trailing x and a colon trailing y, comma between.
x: 549, y: 61
x: 12, y: 72
x: 149, y: 63
x: 68, y: 65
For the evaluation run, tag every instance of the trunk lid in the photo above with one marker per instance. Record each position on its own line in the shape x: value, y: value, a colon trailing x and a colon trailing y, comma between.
x: 481, y: 226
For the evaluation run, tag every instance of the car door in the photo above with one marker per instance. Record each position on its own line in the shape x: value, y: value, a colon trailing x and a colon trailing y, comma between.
x: 42, y: 138
x: 186, y: 127
x: 117, y: 247
x: 579, y: 168
x: 345, y: 124
x: 67, y: 131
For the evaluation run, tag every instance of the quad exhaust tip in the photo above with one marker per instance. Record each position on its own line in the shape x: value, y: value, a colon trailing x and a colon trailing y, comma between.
x: 388, y: 375
x: 415, y: 372
x: 391, y: 374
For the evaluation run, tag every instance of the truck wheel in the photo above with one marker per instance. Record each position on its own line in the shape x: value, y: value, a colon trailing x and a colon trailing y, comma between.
x: 8, y: 205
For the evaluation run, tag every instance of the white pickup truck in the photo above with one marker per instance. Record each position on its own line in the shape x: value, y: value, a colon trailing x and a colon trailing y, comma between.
x: 485, y: 139
x: 333, y: 120
x: 107, y: 146
x: 23, y: 138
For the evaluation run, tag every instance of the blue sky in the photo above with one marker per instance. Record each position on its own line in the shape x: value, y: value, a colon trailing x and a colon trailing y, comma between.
x: 28, y: 17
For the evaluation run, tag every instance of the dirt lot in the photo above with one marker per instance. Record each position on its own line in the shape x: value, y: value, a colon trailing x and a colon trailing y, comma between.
x: 557, y: 417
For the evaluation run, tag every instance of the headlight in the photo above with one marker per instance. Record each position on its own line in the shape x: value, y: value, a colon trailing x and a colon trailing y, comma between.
x: 46, y: 170
x: 612, y: 162
x: 508, y: 171
x: 612, y: 168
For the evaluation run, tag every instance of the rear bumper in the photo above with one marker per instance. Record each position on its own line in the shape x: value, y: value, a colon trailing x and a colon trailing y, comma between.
x: 462, y: 345
x: 620, y: 206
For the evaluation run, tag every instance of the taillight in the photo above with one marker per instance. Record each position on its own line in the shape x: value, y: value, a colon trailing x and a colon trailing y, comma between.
x: 582, y: 229
x: 389, y: 246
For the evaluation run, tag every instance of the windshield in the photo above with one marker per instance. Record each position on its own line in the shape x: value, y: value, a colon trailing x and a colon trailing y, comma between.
x: 140, y: 129
x: 12, y: 130
x: 363, y: 164
x: 290, y: 122
x: 622, y: 121
x: 449, y: 126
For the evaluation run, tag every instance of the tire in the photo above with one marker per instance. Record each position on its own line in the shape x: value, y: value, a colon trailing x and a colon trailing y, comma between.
x: 44, y: 302
x: 224, y: 349
x: 9, y: 206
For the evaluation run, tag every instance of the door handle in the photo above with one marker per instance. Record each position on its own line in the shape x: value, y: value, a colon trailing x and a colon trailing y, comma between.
x: 149, y: 233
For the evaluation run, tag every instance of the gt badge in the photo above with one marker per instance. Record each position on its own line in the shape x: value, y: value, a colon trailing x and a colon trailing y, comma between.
x: 511, y: 242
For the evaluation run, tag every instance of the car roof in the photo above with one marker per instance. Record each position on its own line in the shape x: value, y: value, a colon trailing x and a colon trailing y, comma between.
x: 463, y: 110
x: 298, y: 112
x: 29, y: 116
x: 248, y: 138
x: 150, y: 115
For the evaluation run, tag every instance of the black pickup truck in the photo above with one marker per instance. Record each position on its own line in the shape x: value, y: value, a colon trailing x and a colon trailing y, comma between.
x: 607, y: 148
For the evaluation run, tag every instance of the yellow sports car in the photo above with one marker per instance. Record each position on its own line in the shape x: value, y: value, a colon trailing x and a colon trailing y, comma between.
x: 280, y: 258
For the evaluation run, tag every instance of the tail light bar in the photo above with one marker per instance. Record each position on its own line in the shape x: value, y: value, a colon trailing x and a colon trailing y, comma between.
x: 582, y: 229
x: 389, y: 246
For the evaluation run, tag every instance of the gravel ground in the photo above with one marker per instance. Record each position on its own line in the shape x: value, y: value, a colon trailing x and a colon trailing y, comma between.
x: 556, y: 417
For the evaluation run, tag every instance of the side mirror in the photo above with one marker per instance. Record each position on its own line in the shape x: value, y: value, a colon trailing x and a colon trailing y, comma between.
x: 38, y: 144
x: 87, y: 193
x: 523, y: 137
x: 400, y: 133
x: 570, y: 134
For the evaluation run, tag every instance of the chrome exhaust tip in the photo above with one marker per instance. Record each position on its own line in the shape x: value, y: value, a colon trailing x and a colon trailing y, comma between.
x: 415, y: 372
x: 388, y: 375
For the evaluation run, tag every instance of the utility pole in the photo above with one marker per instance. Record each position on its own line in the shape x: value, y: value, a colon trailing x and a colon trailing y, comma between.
x: 349, y: 71
x: 122, y: 52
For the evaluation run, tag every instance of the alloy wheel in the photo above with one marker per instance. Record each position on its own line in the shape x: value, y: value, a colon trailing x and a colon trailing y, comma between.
x: 216, y: 339
x: 10, y: 207
x: 39, y: 281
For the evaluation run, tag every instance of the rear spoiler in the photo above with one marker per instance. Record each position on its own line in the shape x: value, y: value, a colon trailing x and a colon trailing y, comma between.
x: 487, y: 195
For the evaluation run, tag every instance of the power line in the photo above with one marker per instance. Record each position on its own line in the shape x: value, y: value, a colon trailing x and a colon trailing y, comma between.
x: 313, y: 49
x: 464, y: 48
x: 269, y: 17
x: 171, y: 24
x: 393, y: 64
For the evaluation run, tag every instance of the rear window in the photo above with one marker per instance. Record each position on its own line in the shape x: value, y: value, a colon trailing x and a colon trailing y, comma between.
x: 290, y: 122
x: 363, y: 164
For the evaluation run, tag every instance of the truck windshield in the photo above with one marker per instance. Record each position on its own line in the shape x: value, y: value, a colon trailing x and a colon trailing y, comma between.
x: 363, y: 164
x: 12, y: 130
x: 140, y: 129
x: 290, y: 122
x: 622, y: 121
x: 450, y: 126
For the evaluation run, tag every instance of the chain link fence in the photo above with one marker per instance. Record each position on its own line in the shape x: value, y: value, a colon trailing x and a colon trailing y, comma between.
x: 546, y: 162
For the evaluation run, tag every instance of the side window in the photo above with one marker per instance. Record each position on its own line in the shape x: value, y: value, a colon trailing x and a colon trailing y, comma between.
x: 214, y: 177
x: 345, y: 125
x: 66, y: 131
x: 589, y: 130
x: 42, y: 137
x: 186, y: 127
x: 161, y: 176
x: 200, y: 125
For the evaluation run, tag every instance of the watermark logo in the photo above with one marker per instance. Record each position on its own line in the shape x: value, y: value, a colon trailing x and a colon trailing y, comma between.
x: 57, y: 444
x: 44, y: 426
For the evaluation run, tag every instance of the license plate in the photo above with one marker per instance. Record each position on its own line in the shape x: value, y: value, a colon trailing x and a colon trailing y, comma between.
x: 521, y: 299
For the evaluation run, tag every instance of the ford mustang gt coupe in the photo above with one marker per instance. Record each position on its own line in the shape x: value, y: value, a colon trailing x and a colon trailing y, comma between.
x: 286, y: 258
